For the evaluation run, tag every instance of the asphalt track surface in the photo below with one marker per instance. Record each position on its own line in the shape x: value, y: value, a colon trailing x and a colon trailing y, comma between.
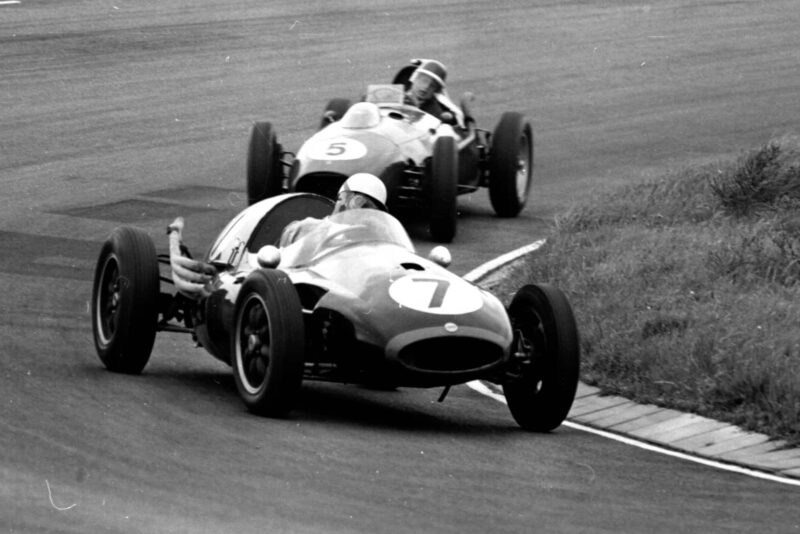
x: 135, y: 112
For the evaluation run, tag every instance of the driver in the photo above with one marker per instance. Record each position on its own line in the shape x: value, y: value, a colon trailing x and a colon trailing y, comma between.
x: 361, y: 190
x: 427, y: 92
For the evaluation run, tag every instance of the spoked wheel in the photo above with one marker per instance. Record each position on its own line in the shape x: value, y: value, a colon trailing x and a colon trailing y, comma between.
x: 334, y: 111
x: 268, y: 343
x: 511, y: 164
x: 541, y: 387
x: 125, y: 300
x: 264, y: 166
x: 443, y: 190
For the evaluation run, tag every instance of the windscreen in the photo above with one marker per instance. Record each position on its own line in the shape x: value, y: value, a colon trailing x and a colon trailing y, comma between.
x: 344, y: 229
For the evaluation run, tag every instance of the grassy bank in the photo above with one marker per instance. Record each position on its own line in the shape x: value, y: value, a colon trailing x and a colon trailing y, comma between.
x: 686, y: 289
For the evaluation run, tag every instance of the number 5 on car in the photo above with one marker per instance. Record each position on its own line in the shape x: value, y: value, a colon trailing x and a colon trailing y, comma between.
x: 338, y: 148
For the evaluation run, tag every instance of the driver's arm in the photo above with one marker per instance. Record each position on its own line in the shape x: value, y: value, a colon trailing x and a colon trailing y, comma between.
x: 297, y: 229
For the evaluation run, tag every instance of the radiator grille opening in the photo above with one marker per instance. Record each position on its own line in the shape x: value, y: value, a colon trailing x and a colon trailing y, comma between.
x: 450, y: 354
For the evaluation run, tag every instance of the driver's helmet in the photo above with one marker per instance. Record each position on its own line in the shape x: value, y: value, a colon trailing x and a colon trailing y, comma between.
x: 361, y: 190
x: 435, y: 70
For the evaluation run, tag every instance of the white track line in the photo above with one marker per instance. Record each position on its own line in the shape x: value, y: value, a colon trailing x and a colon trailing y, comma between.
x: 480, y: 387
x: 500, y: 261
x: 9, y: 2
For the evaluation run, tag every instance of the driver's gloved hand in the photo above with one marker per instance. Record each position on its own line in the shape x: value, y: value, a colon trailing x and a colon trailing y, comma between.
x: 448, y: 118
x: 329, y: 116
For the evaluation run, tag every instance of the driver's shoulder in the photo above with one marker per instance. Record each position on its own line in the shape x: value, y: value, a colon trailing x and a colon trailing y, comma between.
x: 296, y: 229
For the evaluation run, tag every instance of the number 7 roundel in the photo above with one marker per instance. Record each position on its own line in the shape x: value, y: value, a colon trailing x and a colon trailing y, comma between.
x: 434, y: 294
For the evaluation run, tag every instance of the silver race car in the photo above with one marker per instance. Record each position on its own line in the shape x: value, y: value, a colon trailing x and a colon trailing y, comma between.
x: 425, y: 161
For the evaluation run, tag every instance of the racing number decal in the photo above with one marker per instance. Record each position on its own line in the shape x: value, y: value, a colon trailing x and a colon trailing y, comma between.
x: 435, y: 295
x: 338, y: 148
x: 438, y: 295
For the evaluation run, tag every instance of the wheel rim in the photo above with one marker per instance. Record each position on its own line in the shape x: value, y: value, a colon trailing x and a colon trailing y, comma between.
x: 523, y: 166
x: 109, y: 297
x: 530, y: 343
x: 253, y: 344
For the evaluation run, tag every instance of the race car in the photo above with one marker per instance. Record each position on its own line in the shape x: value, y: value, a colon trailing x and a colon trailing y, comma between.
x: 351, y: 302
x: 425, y: 162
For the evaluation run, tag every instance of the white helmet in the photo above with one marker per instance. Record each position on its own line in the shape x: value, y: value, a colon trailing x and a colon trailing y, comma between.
x: 365, y: 184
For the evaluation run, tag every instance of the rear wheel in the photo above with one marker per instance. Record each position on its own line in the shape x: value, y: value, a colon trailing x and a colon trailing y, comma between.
x: 443, y: 189
x: 546, y: 359
x: 264, y: 166
x: 125, y: 296
x: 269, y: 343
x: 511, y: 164
x: 334, y: 111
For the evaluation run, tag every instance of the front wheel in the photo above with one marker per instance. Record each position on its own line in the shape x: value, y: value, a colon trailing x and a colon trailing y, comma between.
x: 443, y: 189
x: 511, y: 164
x: 546, y: 358
x: 264, y: 166
x: 125, y: 296
x: 269, y: 344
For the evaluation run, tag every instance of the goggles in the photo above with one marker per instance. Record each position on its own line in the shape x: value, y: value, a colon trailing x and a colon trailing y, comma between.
x: 352, y: 200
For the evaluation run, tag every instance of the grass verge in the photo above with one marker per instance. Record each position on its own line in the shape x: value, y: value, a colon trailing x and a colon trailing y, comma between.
x: 686, y: 289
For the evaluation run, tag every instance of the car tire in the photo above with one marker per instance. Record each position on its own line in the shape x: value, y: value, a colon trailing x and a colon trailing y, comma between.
x: 544, y: 383
x: 264, y: 166
x: 334, y: 111
x: 125, y: 295
x: 269, y: 346
x: 443, y: 190
x: 510, y: 164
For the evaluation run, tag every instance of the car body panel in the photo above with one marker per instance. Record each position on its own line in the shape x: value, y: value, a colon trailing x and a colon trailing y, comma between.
x: 393, y: 142
x: 361, y: 267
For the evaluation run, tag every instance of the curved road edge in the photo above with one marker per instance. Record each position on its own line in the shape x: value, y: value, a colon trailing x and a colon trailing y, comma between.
x: 682, y: 435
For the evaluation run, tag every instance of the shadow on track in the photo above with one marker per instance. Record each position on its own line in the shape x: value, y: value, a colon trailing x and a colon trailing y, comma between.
x: 343, y: 405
